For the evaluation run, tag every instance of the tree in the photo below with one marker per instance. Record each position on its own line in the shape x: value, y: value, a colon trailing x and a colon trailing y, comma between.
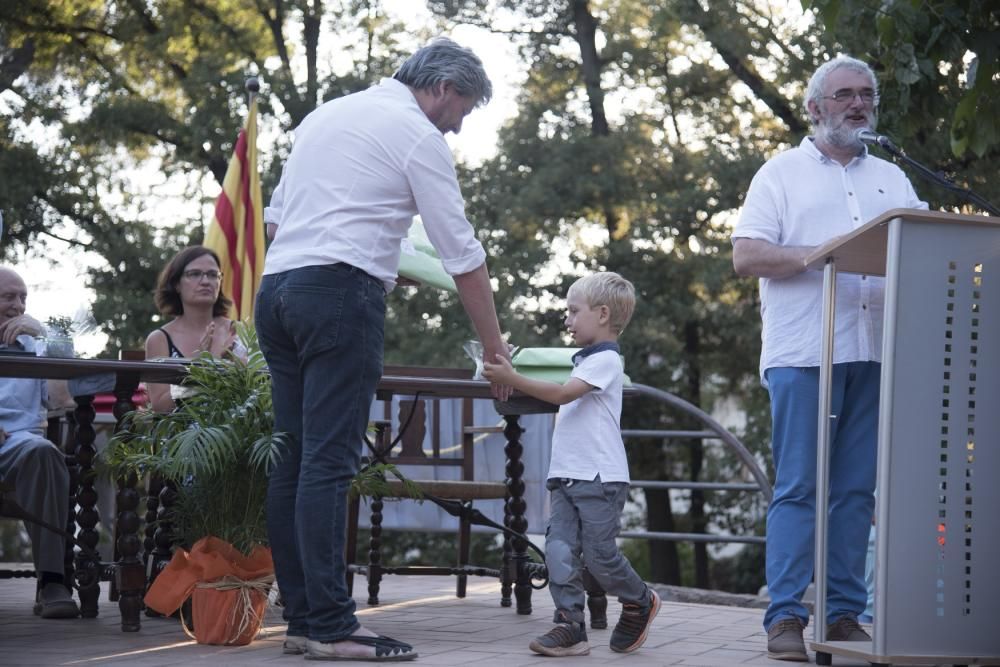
x: 93, y: 89
x: 656, y: 182
x: 701, y: 98
x: 938, y: 65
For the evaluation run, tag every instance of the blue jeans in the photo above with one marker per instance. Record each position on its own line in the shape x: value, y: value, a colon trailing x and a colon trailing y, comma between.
x: 584, y: 523
x: 791, y: 518
x: 321, y: 331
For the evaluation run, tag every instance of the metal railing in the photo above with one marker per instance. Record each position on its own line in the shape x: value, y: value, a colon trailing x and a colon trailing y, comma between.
x: 713, y: 431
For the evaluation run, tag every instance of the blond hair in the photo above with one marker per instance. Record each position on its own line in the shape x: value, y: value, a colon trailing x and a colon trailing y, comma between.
x: 607, y: 288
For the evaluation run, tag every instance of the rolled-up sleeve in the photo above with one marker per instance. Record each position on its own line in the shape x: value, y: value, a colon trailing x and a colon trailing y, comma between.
x: 434, y: 184
x: 272, y: 212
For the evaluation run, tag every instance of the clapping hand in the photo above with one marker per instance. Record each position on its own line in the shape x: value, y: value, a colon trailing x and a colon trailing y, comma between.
x: 217, y: 340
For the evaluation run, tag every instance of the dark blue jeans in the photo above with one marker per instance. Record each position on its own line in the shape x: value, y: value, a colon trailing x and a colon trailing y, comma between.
x: 321, y: 331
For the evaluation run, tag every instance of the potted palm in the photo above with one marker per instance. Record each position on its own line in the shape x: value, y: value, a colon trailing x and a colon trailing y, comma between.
x: 215, y: 450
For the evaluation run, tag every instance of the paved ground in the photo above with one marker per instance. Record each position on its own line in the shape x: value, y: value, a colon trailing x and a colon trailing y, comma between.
x: 419, y: 610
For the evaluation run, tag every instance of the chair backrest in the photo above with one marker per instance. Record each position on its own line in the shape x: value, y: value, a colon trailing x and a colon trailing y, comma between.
x: 417, y: 415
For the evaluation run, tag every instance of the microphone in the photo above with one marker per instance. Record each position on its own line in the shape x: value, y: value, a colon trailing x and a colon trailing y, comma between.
x: 866, y: 136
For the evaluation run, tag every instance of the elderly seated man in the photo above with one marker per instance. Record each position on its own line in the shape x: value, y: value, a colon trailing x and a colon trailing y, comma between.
x: 34, y: 465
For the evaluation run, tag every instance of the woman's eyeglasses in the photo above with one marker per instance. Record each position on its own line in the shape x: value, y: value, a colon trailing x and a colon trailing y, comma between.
x: 196, y: 275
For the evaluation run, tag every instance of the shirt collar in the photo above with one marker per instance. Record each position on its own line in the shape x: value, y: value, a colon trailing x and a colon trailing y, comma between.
x: 594, y: 349
x: 809, y: 146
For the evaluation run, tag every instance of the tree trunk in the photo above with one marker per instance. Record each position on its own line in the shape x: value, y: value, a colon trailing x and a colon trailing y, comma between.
x: 732, y: 44
x: 692, y: 348
x: 311, y: 22
x: 585, y: 35
x: 664, y: 563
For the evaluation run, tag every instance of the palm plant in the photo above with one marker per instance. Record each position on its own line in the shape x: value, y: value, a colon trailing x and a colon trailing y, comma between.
x: 216, y: 449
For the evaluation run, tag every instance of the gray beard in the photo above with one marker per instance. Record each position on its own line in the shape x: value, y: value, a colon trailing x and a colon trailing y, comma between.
x: 841, y: 137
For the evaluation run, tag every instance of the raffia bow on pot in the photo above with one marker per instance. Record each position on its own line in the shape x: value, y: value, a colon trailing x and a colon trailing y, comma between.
x: 229, y: 590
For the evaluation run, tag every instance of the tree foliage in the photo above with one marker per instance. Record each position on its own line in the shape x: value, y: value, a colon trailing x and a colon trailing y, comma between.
x: 90, y: 90
x: 938, y: 64
x: 638, y: 128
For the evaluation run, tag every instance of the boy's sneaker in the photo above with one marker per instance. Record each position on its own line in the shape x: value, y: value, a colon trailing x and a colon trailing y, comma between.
x: 633, y: 624
x: 562, y: 640
x: 784, y: 640
x: 846, y: 629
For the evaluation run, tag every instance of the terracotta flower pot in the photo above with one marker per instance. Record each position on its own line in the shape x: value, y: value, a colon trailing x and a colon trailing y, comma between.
x: 229, y: 590
x: 228, y: 616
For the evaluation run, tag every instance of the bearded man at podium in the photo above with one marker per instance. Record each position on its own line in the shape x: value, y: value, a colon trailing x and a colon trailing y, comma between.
x: 825, y: 187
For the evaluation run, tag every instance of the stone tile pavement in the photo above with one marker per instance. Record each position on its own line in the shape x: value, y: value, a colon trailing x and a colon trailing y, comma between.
x: 421, y: 610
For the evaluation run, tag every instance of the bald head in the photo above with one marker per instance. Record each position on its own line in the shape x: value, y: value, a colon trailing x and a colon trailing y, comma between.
x: 13, y: 294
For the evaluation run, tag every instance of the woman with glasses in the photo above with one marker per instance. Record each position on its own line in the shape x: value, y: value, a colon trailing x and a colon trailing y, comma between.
x: 189, y: 290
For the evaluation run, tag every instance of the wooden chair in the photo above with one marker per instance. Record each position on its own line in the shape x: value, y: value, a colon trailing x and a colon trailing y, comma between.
x: 460, y: 493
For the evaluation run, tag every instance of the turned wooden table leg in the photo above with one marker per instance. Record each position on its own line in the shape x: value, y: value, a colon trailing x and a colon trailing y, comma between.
x: 88, y: 570
x: 516, y: 507
x: 130, y: 575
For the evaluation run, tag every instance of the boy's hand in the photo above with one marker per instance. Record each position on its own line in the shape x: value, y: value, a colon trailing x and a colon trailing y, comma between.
x: 3, y: 436
x: 500, y: 372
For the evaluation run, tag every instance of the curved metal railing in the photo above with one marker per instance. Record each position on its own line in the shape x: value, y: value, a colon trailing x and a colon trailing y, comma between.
x: 713, y: 431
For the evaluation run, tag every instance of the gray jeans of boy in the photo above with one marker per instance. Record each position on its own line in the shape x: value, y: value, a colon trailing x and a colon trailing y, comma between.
x: 585, y: 520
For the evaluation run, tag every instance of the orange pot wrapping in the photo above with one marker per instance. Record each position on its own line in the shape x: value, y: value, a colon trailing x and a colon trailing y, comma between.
x: 227, y: 616
x: 209, y: 562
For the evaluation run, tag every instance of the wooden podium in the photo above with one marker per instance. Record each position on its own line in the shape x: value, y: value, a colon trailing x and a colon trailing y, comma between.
x: 937, y: 565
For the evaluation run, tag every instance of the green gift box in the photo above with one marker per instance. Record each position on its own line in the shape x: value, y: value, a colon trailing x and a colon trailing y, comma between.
x: 418, y: 260
x: 548, y: 363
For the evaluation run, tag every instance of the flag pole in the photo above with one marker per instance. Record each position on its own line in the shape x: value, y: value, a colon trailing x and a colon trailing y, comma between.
x: 252, y: 86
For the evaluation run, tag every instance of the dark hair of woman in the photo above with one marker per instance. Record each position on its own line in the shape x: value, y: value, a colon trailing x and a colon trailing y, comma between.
x: 168, y: 298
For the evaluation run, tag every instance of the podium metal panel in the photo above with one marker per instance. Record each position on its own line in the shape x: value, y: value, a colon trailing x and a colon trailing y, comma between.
x: 937, y: 594
x: 939, y: 454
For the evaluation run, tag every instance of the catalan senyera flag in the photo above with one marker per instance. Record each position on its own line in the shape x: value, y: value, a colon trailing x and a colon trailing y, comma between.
x: 236, y: 232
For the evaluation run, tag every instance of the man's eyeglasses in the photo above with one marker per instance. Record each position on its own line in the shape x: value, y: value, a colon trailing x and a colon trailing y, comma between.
x: 196, y: 275
x: 846, y: 96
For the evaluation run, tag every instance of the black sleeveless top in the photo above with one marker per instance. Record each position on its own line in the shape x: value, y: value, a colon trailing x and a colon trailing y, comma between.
x: 172, y: 350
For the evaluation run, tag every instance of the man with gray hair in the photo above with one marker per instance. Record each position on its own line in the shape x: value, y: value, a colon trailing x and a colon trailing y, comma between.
x: 35, y: 466
x: 361, y: 167
x: 825, y: 187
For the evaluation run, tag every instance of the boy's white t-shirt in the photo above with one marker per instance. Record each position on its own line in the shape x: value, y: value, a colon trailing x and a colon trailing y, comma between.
x: 587, y: 441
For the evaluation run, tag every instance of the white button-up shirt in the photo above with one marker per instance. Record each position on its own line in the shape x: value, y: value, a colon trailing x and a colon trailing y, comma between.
x: 361, y: 167
x: 803, y: 198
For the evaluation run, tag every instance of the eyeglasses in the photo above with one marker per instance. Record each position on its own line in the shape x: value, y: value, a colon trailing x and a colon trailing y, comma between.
x: 846, y: 96
x: 196, y: 275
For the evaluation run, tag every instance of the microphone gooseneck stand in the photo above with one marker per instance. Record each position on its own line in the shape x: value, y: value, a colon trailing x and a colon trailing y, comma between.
x: 936, y: 177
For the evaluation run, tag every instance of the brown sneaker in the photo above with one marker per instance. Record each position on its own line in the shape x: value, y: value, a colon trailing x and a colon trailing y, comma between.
x: 564, y: 639
x: 784, y: 640
x: 846, y: 629
x: 633, y: 624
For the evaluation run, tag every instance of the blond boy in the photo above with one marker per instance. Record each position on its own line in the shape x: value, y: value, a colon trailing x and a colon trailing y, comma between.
x: 588, y: 475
